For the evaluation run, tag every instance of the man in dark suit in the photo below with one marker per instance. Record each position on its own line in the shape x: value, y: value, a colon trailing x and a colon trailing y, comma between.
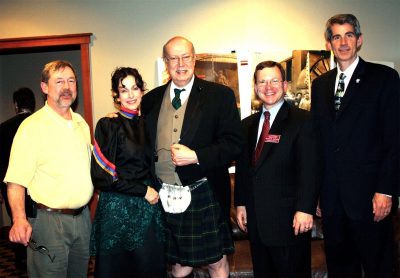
x: 276, y: 186
x: 356, y: 110
x: 24, y: 104
x: 193, y: 126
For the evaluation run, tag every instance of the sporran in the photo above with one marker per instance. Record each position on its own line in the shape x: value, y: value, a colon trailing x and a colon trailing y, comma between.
x: 175, y: 198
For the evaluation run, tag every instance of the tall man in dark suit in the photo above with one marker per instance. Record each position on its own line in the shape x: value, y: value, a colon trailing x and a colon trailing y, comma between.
x: 356, y: 110
x: 276, y: 180
x: 24, y: 104
x: 193, y: 126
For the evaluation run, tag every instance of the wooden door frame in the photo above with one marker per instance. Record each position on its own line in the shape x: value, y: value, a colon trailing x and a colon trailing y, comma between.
x: 59, y: 42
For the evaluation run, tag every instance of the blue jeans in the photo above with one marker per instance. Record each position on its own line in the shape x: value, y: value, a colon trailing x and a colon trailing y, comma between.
x: 67, y: 238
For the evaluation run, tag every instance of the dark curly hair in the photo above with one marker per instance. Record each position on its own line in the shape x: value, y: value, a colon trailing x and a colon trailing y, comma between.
x: 119, y: 74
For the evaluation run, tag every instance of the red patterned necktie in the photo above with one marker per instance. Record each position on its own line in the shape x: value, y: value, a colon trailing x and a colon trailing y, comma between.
x: 263, y: 137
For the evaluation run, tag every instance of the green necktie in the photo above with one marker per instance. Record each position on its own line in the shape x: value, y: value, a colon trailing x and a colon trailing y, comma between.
x: 176, y: 101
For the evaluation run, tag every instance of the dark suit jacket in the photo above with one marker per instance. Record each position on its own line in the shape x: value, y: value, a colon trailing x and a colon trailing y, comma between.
x: 7, y: 133
x: 285, y: 178
x: 210, y: 128
x: 360, y: 142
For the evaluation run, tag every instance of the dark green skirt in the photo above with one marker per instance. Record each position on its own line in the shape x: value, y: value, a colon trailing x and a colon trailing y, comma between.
x: 122, y: 222
x: 200, y: 235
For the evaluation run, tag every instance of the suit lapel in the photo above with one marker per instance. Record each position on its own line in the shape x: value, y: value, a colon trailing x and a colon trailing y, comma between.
x: 276, y: 129
x: 329, y: 91
x: 193, y: 113
x: 253, y: 134
x: 152, y: 117
x: 352, y: 87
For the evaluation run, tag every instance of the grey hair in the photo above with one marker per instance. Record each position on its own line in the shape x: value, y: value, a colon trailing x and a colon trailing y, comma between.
x: 342, y: 19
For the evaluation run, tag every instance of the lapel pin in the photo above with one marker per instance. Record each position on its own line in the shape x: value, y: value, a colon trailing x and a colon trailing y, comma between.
x: 357, y: 80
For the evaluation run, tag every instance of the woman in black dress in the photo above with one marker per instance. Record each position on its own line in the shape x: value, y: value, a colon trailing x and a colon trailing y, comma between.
x: 128, y: 232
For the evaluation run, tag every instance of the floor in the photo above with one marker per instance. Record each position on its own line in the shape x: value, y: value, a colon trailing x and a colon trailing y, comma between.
x: 240, y: 262
x: 7, y: 266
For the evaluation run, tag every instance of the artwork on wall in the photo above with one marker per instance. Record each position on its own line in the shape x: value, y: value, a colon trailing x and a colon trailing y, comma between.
x: 301, y: 69
x: 219, y: 68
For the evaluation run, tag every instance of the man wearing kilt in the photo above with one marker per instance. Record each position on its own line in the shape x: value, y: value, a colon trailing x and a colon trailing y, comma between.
x: 194, y: 129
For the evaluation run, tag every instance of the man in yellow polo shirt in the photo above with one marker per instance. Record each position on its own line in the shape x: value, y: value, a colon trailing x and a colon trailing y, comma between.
x: 50, y: 156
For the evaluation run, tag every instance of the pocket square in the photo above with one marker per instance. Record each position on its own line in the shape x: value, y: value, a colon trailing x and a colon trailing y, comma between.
x: 271, y: 138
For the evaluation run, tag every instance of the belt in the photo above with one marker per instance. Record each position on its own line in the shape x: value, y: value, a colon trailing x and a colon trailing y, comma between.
x: 191, y: 186
x: 196, y: 184
x: 74, y: 212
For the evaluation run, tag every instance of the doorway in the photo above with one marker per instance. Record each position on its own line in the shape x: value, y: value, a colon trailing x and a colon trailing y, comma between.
x: 71, y: 45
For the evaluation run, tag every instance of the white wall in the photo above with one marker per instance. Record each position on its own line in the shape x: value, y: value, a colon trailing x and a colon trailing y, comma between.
x: 132, y: 32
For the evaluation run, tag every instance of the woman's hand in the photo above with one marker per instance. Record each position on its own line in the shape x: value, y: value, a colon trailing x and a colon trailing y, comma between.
x: 151, y: 196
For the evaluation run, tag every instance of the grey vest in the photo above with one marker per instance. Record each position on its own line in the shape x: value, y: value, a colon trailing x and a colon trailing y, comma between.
x: 169, y: 129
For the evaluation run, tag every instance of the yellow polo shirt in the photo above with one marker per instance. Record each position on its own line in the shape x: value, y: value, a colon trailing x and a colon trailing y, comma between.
x: 50, y: 156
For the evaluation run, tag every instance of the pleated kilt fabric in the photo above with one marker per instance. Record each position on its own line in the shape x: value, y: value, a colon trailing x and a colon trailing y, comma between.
x: 200, y: 235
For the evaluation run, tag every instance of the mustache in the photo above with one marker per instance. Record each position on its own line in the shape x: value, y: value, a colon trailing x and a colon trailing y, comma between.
x: 67, y: 92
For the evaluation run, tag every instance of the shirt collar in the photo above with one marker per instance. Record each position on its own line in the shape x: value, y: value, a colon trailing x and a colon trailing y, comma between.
x: 350, y: 70
x: 128, y: 113
x: 76, y: 118
x: 273, y: 111
x: 187, y: 88
x: 348, y: 73
x: 24, y: 111
x: 185, y: 94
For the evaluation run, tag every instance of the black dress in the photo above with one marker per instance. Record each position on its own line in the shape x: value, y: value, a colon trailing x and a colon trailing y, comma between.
x: 128, y: 233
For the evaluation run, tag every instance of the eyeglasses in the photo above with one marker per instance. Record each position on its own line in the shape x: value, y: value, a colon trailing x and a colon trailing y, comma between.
x: 175, y: 60
x: 273, y: 83
x: 42, y: 249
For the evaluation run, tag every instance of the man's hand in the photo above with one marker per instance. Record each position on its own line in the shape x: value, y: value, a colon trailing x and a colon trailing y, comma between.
x: 182, y: 155
x: 302, y: 222
x: 21, y: 230
x: 151, y: 196
x: 381, y: 204
x: 241, y: 218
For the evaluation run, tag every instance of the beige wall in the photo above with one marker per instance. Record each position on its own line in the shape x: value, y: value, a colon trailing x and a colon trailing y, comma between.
x: 131, y: 32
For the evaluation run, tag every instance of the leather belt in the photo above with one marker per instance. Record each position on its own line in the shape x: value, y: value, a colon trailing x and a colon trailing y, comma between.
x: 196, y: 184
x: 191, y: 186
x: 74, y: 212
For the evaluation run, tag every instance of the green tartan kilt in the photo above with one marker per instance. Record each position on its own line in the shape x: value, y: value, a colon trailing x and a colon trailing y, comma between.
x: 200, y: 235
